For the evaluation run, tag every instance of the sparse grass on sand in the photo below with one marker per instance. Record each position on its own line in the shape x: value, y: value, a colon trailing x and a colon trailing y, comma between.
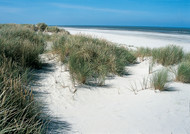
x: 19, y: 52
x: 92, y: 59
x: 159, y: 80
x: 183, y: 72
x: 168, y: 55
x: 143, y: 52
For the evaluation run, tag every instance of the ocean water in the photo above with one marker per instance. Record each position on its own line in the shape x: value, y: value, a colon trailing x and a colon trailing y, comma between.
x: 170, y: 30
x: 137, y: 36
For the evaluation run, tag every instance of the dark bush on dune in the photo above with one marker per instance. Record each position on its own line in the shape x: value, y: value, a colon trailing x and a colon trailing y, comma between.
x: 41, y: 26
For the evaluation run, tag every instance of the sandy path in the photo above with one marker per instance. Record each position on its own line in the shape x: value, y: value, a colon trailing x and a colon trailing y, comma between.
x: 114, y: 108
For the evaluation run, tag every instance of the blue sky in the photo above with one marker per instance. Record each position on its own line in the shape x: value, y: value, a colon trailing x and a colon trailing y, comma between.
x: 173, y: 13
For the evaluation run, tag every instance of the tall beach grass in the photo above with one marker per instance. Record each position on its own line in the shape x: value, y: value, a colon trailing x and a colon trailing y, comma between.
x: 143, y: 52
x: 19, y: 53
x: 22, y: 45
x: 169, y: 55
x: 183, y: 72
x: 159, y: 80
x: 92, y: 59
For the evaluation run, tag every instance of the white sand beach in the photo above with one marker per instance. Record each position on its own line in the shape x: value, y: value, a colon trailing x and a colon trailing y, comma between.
x: 137, y: 38
x: 124, y: 105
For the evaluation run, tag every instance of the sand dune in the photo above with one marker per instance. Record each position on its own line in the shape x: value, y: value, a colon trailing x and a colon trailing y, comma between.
x: 123, y: 105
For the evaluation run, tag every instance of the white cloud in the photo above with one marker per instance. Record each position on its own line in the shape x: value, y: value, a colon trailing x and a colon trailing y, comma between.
x: 8, y: 9
x: 61, y: 5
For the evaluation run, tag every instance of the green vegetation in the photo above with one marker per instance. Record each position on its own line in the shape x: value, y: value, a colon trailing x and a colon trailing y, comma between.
x: 143, y: 52
x: 159, y: 80
x: 41, y: 26
x: 92, y: 59
x: 54, y: 29
x: 22, y: 45
x: 183, y: 72
x: 19, y: 113
x: 30, y: 26
x: 19, y: 53
x: 186, y: 57
x: 168, y: 55
x: 123, y: 57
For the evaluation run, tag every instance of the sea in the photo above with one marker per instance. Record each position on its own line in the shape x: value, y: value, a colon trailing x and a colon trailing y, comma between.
x: 170, y: 30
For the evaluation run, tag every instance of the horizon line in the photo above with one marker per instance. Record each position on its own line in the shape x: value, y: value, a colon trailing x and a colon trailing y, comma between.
x: 122, y: 26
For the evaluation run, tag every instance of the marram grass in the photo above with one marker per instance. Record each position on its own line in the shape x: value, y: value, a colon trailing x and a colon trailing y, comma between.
x: 22, y: 45
x: 92, y: 59
x: 19, y: 112
x: 19, y: 52
x: 183, y: 72
x: 159, y: 80
x: 143, y: 52
x: 169, y: 55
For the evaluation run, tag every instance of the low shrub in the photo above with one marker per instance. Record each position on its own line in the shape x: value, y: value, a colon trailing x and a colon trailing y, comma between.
x: 183, y: 72
x: 159, y: 80
x: 168, y: 55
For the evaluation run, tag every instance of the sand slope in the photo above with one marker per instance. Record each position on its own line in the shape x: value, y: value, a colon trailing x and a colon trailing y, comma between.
x: 122, y: 106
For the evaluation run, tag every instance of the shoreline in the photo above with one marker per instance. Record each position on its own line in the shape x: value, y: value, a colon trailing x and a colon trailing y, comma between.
x: 137, y: 39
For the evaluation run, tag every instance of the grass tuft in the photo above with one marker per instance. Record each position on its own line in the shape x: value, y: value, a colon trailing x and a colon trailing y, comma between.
x: 183, y: 72
x: 143, y: 52
x: 168, y: 55
x: 92, y: 59
x: 159, y: 80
